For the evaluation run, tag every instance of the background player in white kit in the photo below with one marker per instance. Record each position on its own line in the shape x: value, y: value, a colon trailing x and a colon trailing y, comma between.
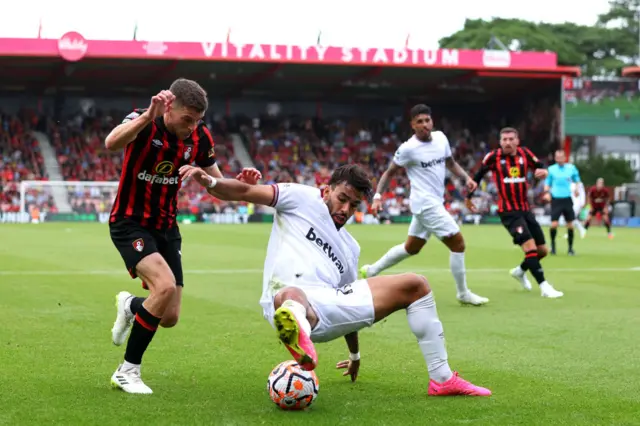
x: 579, y: 201
x: 310, y: 287
x: 424, y: 156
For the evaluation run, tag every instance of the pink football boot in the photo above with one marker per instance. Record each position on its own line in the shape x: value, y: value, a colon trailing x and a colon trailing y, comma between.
x: 295, y: 338
x: 456, y: 385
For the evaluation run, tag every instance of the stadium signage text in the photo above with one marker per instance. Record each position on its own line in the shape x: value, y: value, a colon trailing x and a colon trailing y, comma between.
x: 72, y: 46
x: 347, y: 55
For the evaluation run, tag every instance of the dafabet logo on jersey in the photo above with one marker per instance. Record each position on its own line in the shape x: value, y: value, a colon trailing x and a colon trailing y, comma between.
x: 161, y: 174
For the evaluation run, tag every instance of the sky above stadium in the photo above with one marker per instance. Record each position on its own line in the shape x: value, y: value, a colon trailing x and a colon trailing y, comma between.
x: 342, y: 22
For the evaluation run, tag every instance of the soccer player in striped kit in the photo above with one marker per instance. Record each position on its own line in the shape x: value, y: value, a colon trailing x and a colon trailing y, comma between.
x: 510, y: 164
x: 157, y: 141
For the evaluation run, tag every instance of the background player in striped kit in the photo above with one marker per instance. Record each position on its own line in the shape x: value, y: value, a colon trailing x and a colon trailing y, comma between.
x: 510, y: 164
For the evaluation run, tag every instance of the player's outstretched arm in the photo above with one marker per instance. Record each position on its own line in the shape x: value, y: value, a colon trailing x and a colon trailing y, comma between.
x: 230, y: 189
x: 351, y: 365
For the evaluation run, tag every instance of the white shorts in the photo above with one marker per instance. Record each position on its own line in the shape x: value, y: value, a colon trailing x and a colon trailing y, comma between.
x: 434, y: 220
x: 577, y: 208
x: 340, y: 311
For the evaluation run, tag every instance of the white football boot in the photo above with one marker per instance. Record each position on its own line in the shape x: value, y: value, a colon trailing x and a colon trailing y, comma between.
x: 521, y: 277
x: 470, y: 298
x: 547, y: 290
x: 129, y: 380
x: 124, y: 318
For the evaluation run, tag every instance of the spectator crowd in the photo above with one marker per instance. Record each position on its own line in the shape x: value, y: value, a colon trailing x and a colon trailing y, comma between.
x: 285, y: 149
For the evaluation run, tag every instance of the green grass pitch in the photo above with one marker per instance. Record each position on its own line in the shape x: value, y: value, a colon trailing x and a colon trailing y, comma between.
x: 572, y: 361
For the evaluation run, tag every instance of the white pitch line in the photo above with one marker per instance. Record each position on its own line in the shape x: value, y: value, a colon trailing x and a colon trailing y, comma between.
x: 259, y: 271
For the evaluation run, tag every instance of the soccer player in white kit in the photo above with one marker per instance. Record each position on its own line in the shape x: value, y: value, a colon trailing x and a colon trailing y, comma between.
x: 424, y: 156
x: 310, y: 288
x: 579, y: 201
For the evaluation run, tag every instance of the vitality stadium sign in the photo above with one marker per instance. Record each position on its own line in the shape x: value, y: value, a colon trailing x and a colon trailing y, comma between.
x: 72, y: 46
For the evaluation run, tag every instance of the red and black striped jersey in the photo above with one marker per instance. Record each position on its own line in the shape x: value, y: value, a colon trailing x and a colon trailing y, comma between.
x: 149, y: 182
x: 598, y: 197
x: 510, y: 177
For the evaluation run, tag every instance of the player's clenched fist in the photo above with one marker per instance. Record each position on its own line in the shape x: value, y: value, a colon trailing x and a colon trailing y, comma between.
x: 160, y: 103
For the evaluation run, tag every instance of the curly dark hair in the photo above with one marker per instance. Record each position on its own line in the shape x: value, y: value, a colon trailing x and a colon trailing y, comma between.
x: 353, y: 175
x: 418, y: 110
x: 190, y: 94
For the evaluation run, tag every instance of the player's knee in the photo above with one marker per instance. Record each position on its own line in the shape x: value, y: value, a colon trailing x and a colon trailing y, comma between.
x: 288, y: 293
x: 164, y: 288
x: 456, y: 243
x: 554, y: 224
x: 416, y: 286
x: 543, y: 251
x: 413, y: 247
x: 169, y: 320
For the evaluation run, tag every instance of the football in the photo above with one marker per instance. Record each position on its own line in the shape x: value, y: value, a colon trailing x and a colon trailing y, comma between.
x: 292, y: 388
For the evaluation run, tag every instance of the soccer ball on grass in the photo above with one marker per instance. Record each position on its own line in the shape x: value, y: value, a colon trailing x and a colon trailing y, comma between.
x: 292, y: 388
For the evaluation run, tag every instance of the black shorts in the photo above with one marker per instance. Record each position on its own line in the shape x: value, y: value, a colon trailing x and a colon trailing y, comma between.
x: 562, y: 207
x: 602, y: 210
x: 135, y: 242
x: 523, y: 226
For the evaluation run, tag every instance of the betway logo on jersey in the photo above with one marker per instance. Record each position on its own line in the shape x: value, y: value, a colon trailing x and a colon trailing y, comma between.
x: 326, y: 248
x: 432, y: 163
x: 162, y: 170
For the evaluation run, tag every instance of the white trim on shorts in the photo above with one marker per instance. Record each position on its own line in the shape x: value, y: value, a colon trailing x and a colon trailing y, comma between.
x: 339, y: 311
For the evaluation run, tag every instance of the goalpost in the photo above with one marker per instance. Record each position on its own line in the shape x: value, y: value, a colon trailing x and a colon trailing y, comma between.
x: 69, y: 197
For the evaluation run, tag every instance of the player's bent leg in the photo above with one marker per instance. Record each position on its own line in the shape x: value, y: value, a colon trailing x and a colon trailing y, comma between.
x: 154, y: 271
x: 293, y: 319
x: 172, y: 313
x: 532, y: 263
x: 412, y: 292
x: 456, y: 245
x: 395, y: 255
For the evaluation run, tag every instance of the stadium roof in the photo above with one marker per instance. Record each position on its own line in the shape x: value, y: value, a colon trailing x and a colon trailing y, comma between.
x: 74, y: 64
x: 234, y: 79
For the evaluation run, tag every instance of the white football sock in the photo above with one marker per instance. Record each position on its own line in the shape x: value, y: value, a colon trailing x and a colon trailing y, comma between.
x: 300, y: 313
x: 456, y: 263
x: 426, y: 326
x: 579, y: 226
x: 394, y: 256
x: 518, y: 271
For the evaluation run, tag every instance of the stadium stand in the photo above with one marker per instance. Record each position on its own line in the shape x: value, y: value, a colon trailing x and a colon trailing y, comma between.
x: 285, y: 149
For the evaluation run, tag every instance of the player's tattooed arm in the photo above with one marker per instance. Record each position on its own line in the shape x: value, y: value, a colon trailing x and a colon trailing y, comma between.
x: 386, y: 177
x: 455, y: 168
x: 230, y: 189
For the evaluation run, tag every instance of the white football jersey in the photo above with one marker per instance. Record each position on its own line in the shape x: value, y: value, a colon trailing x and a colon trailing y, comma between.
x: 426, y: 168
x: 581, y: 199
x: 305, y: 247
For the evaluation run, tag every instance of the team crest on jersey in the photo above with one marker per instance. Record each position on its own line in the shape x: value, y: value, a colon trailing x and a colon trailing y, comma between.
x: 187, y: 153
x: 514, y: 172
x: 138, y: 245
